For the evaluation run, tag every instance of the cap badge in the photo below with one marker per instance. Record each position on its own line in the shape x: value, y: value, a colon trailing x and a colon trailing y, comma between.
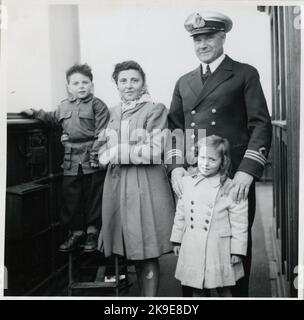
x: 199, y: 22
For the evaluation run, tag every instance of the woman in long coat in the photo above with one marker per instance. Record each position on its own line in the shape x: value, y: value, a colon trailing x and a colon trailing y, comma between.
x: 138, y: 207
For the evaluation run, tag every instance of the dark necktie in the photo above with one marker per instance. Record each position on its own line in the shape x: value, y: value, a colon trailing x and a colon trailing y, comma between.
x: 206, y: 75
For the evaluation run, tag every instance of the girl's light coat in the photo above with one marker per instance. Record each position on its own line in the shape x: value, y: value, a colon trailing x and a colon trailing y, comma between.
x: 210, y: 227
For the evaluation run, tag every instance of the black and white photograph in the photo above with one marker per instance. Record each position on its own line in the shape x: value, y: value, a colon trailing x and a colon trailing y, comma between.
x: 151, y: 150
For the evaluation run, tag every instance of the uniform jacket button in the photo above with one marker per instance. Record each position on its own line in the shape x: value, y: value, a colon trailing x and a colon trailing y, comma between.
x: 213, y: 123
x: 192, y: 124
x: 191, y: 218
x: 191, y: 211
x: 205, y: 228
x: 192, y: 202
x: 193, y: 112
x: 207, y: 221
x: 213, y: 110
x: 192, y: 226
x: 193, y: 136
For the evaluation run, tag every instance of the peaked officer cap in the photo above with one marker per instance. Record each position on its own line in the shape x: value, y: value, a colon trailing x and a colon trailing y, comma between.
x: 207, y: 22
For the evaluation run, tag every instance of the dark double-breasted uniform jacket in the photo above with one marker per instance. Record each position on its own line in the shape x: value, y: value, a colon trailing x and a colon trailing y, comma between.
x: 230, y: 104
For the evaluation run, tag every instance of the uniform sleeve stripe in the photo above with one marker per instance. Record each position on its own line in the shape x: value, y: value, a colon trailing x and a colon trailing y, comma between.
x: 248, y: 156
x: 174, y: 155
x: 256, y: 154
x: 174, y: 152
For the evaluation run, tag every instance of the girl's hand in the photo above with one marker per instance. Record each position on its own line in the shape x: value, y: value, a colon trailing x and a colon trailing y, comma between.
x: 235, y: 259
x: 176, y: 250
x: 113, y: 156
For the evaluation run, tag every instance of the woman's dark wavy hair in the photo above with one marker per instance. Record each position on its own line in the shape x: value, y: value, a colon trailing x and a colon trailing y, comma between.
x: 127, y: 65
x: 83, y: 69
x: 221, y: 145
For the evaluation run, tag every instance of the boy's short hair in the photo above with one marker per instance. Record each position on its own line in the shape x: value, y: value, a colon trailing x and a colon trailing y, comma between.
x: 83, y: 69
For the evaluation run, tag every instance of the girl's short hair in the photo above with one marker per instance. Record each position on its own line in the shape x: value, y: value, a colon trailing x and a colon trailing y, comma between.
x: 127, y: 65
x: 221, y: 145
x: 83, y: 69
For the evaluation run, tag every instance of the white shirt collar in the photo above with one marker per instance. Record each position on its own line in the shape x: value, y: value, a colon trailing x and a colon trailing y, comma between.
x: 214, y: 64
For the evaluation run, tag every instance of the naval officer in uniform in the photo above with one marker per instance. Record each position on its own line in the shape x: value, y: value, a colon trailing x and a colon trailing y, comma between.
x: 225, y: 98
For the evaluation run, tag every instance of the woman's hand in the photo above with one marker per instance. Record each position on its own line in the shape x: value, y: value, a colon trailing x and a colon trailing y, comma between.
x: 110, y: 155
x: 235, y: 259
x: 176, y: 179
x: 103, y: 160
x: 176, y: 249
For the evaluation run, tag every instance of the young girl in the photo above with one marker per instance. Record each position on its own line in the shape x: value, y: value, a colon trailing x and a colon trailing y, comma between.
x: 210, y: 230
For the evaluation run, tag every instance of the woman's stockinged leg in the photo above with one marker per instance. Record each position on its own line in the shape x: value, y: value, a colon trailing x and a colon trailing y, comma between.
x: 148, y: 277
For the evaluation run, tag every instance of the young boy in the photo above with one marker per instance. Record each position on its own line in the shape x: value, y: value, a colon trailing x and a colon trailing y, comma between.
x: 81, y: 117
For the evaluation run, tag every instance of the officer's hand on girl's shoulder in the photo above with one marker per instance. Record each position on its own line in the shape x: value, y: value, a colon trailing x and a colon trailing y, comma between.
x: 239, y: 186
